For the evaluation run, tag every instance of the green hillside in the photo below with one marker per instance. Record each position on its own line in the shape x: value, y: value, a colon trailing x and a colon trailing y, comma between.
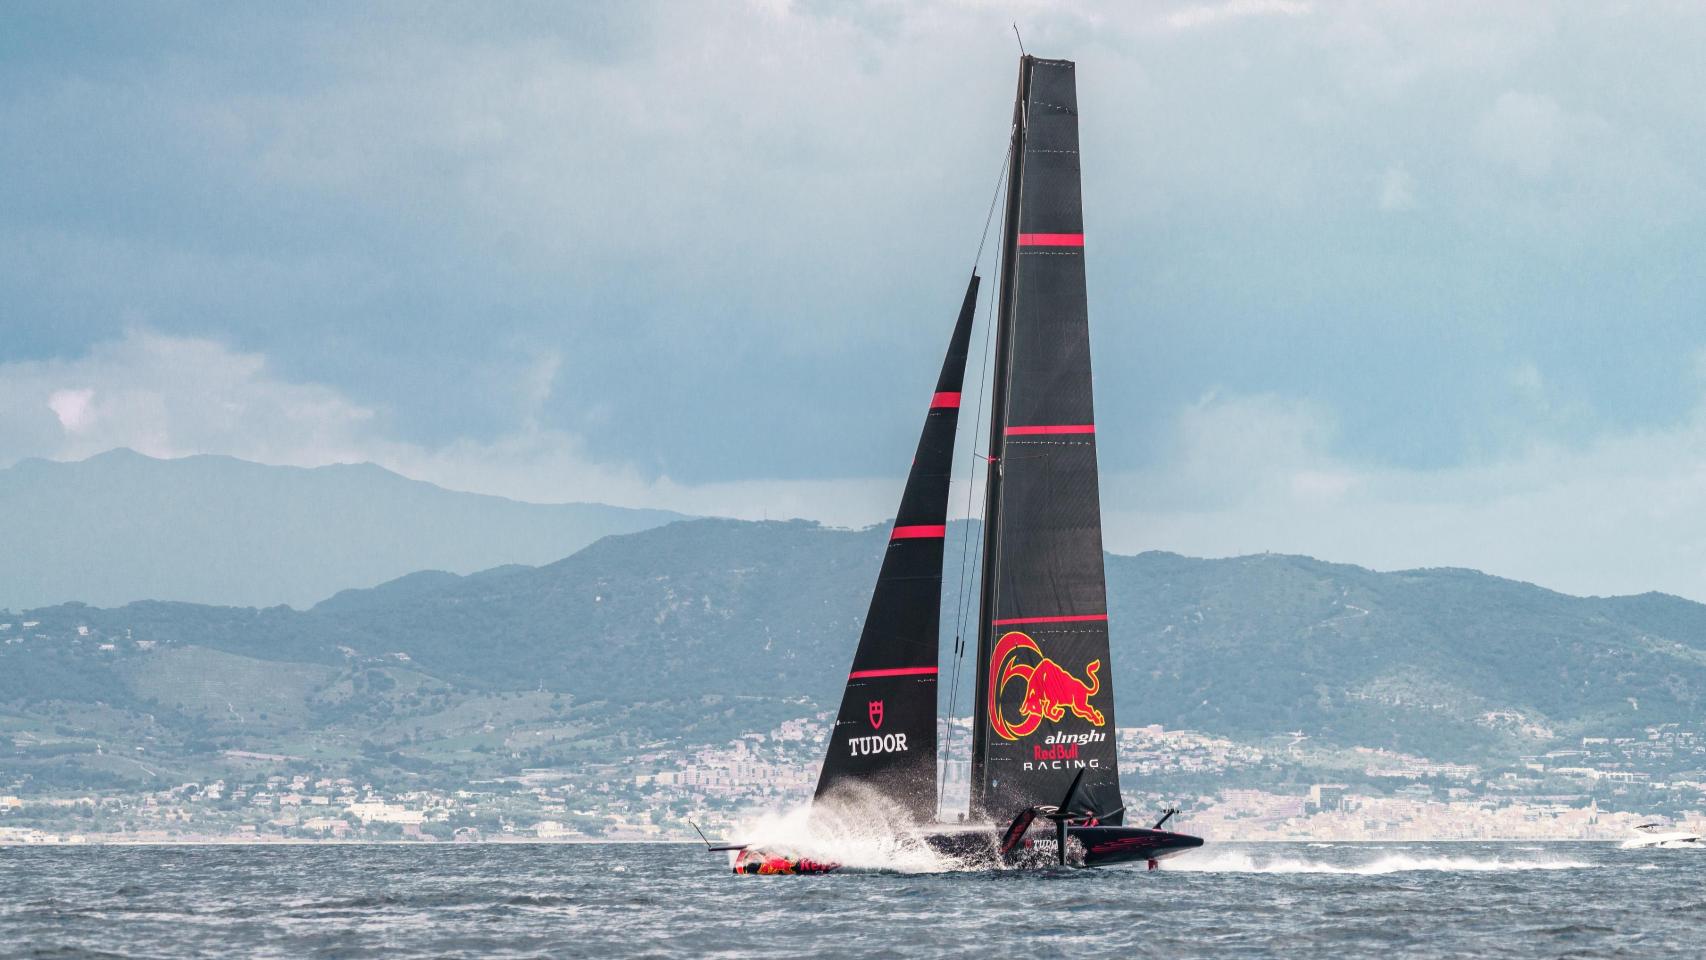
x: 702, y: 630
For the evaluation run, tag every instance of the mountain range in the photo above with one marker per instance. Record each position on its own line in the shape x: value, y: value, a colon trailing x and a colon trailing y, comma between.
x: 699, y: 631
x: 122, y: 526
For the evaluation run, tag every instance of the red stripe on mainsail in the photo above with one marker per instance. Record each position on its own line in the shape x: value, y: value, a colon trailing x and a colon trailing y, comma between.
x: 893, y: 672
x: 944, y: 400
x: 1051, y: 239
x: 918, y: 532
x: 1081, y: 618
x: 1054, y: 428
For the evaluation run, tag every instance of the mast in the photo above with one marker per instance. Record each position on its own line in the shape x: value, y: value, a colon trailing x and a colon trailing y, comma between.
x: 997, y: 433
x: 883, y: 746
x: 1045, y: 706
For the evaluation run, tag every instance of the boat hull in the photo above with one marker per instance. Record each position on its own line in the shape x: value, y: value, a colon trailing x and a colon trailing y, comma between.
x: 1086, y: 846
x: 1669, y: 843
x: 977, y: 846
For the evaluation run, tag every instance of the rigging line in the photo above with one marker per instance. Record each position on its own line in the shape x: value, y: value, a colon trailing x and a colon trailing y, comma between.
x: 977, y: 424
x: 1000, y: 178
x: 961, y: 603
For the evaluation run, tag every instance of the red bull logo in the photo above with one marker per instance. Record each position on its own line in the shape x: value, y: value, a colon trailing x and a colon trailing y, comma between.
x: 1050, y: 689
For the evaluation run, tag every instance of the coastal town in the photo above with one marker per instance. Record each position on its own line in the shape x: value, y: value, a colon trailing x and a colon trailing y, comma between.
x: 1226, y: 790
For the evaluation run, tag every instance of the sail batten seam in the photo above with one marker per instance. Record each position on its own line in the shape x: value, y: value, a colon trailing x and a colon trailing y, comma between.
x: 1069, y: 618
x: 1026, y: 430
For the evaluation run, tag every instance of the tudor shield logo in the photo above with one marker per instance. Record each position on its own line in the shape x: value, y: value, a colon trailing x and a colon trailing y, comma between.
x: 875, y: 707
x: 1051, y: 691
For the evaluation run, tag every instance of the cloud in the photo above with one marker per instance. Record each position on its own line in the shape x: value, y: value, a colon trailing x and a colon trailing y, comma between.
x: 1397, y: 191
x: 1622, y: 513
x: 1577, y: 176
x: 169, y: 396
x: 172, y: 396
x: 72, y: 408
x: 556, y: 255
x: 552, y: 466
x: 703, y: 200
x: 1210, y: 14
x: 1526, y: 131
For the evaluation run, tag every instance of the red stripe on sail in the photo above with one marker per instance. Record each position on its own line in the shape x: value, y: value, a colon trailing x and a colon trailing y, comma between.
x: 944, y: 400
x: 1081, y: 618
x: 1051, y: 239
x: 893, y: 672
x: 1055, y: 428
x: 918, y: 532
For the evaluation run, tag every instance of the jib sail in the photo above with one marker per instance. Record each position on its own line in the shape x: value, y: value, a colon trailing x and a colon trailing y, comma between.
x: 884, y: 741
x: 1045, y: 699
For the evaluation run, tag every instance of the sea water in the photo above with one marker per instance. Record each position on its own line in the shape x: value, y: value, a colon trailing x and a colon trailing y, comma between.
x: 677, y: 900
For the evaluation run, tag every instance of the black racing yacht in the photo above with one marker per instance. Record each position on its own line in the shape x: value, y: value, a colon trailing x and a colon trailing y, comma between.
x: 1044, y: 773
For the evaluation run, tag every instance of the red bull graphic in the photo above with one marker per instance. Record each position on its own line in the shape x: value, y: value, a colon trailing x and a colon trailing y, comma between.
x: 1050, y: 689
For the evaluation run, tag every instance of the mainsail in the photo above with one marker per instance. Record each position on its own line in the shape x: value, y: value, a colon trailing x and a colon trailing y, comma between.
x: 884, y: 740
x: 1045, y: 699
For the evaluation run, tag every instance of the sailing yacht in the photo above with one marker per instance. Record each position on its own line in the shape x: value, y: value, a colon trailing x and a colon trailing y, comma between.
x: 1044, y: 772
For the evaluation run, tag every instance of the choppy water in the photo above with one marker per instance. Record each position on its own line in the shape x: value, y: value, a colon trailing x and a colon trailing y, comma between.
x: 1396, y: 900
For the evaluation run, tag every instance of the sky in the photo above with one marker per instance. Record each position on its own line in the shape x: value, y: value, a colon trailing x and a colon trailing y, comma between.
x: 1398, y: 284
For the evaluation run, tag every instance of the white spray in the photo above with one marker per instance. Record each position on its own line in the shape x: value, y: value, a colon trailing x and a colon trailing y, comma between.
x: 855, y: 827
x: 1245, y: 861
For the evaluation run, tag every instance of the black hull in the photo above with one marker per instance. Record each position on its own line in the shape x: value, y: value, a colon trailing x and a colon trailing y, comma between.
x: 1086, y: 846
x: 977, y: 846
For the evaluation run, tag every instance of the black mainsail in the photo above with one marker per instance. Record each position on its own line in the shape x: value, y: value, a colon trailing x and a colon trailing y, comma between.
x: 1045, y: 699
x: 884, y: 740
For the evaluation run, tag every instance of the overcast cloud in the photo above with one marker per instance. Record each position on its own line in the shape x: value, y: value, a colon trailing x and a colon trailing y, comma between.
x: 1397, y: 284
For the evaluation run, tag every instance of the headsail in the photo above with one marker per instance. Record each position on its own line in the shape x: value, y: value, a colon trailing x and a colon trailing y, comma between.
x: 884, y: 739
x: 1045, y: 700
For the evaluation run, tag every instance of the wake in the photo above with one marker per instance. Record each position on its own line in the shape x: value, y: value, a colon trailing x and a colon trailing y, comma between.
x: 1239, y: 861
x: 859, y: 831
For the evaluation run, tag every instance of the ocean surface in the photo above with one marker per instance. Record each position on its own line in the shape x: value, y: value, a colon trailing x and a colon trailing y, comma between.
x: 667, y: 900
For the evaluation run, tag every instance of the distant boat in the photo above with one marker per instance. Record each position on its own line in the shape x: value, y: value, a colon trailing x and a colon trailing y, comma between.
x: 1044, y: 773
x: 1661, y: 836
